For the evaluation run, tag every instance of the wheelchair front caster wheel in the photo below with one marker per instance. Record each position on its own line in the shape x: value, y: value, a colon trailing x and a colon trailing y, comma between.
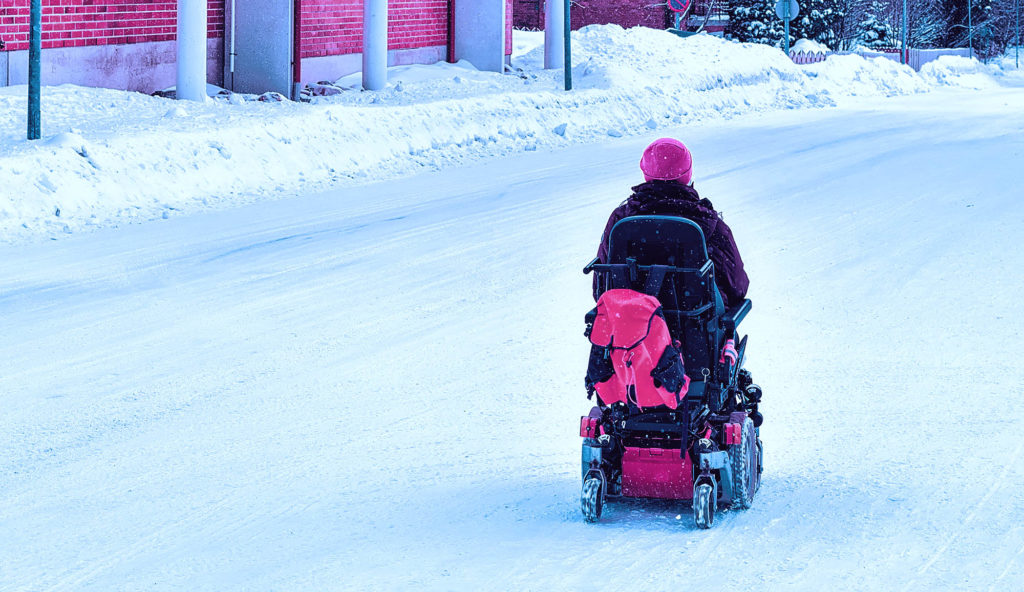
x: 591, y: 502
x: 704, y: 505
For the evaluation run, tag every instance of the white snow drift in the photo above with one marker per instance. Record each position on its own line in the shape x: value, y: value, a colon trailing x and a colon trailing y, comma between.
x: 116, y: 157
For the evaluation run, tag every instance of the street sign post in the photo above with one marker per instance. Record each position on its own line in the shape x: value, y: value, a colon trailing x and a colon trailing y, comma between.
x: 780, y: 9
x: 787, y: 10
x: 679, y: 7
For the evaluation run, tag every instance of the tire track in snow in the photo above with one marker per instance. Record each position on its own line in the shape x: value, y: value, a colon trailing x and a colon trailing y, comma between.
x: 1006, y: 570
x: 997, y: 484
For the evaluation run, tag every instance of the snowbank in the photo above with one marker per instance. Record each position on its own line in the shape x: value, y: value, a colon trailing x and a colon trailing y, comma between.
x: 114, y: 157
x: 419, y: 74
x: 525, y: 41
x: 809, y: 46
x: 960, y: 71
x: 855, y: 76
x: 970, y: 73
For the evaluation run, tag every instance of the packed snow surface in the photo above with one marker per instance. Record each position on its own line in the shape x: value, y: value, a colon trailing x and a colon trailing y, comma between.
x: 111, y: 157
x: 378, y: 388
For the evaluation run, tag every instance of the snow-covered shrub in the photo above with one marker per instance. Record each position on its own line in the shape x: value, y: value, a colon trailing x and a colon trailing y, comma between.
x: 876, y: 30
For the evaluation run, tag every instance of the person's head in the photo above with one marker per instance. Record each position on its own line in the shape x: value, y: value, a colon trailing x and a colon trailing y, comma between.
x: 667, y: 159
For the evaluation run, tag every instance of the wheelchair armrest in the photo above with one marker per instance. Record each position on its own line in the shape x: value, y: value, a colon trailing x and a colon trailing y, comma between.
x: 732, y: 317
x: 590, y: 266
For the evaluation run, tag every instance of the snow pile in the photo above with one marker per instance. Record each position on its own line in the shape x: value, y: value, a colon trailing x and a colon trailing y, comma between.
x: 1010, y: 67
x: 117, y: 157
x: 960, y: 71
x: 525, y: 41
x: 855, y: 76
x: 809, y: 46
x: 399, y: 76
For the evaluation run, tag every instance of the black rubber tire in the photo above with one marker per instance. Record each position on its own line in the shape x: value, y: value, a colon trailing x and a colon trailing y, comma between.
x: 704, y: 505
x: 743, y: 458
x: 591, y: 500
x: 760, y: 461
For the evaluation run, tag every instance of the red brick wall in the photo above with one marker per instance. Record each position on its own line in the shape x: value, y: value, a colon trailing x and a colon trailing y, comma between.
x: 335, y: 27
x: 331, y: 27
x: 529, y: 14
x: 417, y: 23
x: 628, y: 13
x: 73, y: 23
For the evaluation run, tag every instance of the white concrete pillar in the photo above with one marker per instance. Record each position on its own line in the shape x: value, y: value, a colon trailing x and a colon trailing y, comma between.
x: 554, y: 34
x: 375, y: 44
x: 191, y: 82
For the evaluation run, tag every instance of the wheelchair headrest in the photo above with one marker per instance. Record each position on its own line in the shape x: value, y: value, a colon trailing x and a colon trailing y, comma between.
x: 651, y: 240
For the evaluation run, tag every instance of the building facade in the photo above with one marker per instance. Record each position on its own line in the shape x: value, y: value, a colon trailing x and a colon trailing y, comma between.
x: 252, y: 45
x: 529, y: 14
x: 709, y: 14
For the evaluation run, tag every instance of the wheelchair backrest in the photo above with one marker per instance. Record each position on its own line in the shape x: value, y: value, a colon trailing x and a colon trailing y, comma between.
x: 685, y: 284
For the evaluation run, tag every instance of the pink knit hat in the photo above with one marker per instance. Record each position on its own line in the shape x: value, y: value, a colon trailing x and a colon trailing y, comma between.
x: 667, y: 159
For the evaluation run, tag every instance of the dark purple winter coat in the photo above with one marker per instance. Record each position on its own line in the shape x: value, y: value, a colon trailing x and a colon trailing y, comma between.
x: 669, y: 198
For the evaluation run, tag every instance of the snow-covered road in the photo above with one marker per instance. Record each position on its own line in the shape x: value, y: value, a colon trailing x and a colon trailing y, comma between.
x: 379, y: 388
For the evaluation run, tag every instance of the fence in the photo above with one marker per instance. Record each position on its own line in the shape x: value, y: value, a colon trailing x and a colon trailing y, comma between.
x: 920, y: 57
x: 804, y: 57
x: 915, y: 57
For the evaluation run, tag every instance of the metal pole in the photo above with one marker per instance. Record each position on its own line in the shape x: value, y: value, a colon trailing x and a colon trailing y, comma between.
x: 1016, y: 44
x: 568, y: 46
x: 786, y: 12
x: 905, y: 52
x: 970, y: 29
x: 35, y: 54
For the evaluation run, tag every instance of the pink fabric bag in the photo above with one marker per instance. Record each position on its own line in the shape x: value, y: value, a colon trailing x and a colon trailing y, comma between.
x: 648, y: 369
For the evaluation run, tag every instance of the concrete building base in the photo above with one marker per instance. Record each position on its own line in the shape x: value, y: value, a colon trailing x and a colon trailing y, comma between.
x: 143, y: 67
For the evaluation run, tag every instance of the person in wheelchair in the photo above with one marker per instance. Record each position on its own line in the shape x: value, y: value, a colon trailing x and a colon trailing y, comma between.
x: 668, y: 191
